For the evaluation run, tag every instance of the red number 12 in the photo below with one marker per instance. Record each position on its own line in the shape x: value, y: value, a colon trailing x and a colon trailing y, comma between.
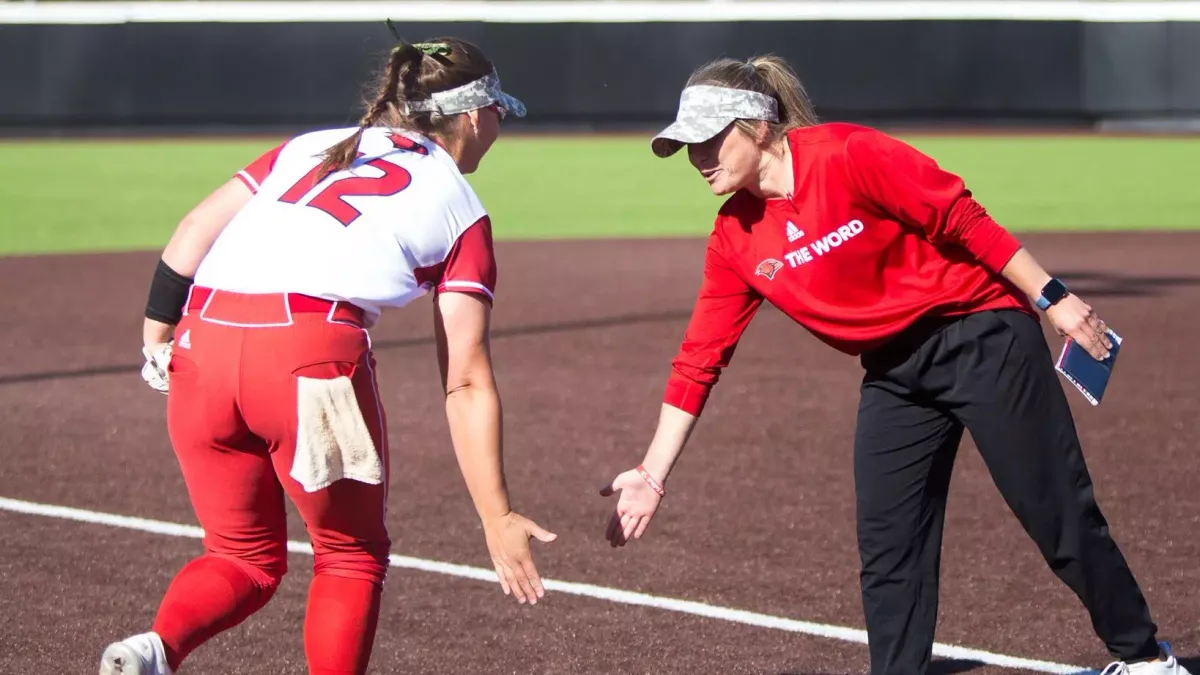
x: 331, y: 199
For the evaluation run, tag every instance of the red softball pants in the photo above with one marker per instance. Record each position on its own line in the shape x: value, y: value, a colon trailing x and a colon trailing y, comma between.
x: 274, y: 395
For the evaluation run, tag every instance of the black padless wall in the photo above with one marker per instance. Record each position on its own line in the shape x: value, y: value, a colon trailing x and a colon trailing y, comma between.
x: 156, y: 75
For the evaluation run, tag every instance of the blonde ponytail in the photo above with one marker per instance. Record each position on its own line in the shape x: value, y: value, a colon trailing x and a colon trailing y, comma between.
x: 767, y: 74
x: 795, y: 108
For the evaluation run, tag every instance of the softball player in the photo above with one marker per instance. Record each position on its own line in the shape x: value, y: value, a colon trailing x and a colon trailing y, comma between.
x: 880, y: 253
x: 267, y: 361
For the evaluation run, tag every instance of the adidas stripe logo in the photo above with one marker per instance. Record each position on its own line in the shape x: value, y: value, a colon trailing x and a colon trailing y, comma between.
x: 793, y: 232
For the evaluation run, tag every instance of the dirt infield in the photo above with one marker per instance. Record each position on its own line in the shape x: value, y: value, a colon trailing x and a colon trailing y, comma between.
x: 759, y: 515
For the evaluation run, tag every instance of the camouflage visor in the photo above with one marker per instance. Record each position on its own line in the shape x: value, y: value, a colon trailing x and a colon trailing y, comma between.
x: 705, y: 111
x: 471, y: 96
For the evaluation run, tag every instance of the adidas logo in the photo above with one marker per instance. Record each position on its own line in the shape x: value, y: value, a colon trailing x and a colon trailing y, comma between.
x: 793, y: 232
x: 185, y: 340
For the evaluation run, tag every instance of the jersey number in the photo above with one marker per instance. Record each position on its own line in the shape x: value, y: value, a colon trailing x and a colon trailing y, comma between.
x: 331, y: 198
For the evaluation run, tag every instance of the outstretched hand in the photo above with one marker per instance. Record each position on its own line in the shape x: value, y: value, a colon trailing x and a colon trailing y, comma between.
x: 508, y: 542
x: 635, y: 507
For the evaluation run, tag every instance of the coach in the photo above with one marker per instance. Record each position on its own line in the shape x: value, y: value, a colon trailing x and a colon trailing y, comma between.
x: 880, y: 253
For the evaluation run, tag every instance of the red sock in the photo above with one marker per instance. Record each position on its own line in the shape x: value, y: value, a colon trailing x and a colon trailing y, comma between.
x: 339, y: 627
x: 209, y: 595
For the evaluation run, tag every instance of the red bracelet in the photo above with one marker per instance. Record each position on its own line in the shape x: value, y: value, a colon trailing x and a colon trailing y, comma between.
x: 658, y: 487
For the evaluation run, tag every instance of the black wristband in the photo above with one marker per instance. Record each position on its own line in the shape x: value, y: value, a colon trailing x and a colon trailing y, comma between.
x: 168, y: 292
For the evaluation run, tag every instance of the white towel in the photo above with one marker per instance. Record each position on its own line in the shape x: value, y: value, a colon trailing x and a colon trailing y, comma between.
x: 332, y: 441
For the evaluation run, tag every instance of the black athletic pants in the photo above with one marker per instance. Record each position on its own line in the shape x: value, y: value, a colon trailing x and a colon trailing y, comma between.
x: 991, y: 372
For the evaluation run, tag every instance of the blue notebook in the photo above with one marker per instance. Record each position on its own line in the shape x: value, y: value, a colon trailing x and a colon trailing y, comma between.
x: 1088, y: 375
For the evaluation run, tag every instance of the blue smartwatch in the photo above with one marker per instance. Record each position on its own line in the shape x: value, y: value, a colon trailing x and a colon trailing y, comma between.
x: 1052, y: 292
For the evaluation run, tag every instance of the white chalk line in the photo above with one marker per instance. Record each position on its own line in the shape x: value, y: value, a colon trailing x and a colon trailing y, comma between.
x: 615, y: 595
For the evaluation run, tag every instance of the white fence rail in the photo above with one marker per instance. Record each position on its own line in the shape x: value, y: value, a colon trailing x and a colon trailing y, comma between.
x: 591, y: 11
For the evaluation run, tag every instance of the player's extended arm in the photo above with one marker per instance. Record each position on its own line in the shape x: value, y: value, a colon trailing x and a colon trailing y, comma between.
x: 670, y: 437
x: 724, y: 307
x: 642, y: 488
x: 674, y: 428
x: 473, y: 410
x: 193, y: 237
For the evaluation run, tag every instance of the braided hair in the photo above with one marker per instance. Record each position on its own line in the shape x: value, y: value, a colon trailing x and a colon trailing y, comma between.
x: 412, y: 73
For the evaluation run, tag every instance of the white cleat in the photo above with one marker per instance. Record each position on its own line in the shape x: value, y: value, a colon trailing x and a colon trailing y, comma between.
x: 1167, y: 664
x: 138, y: 655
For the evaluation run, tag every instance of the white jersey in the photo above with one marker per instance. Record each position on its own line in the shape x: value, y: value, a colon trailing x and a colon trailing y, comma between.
x: 401, y: 222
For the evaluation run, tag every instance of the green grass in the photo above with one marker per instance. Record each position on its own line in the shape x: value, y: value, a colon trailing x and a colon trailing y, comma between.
x: 114, y: 195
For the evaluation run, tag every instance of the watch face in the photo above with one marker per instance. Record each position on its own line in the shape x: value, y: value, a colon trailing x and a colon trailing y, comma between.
x: 1054, y: 291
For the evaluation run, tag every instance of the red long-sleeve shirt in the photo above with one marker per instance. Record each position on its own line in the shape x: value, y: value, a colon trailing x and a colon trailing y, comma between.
x: 875, y: 237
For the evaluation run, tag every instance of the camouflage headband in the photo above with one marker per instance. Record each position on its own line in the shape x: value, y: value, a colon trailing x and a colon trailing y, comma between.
x: 470, y: 96
x: 705, y: 110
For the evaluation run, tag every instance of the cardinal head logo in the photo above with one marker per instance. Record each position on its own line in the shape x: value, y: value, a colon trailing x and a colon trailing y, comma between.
x: 768, y: 268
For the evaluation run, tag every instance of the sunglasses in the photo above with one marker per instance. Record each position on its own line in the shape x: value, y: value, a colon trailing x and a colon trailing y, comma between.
x: 500, y: 112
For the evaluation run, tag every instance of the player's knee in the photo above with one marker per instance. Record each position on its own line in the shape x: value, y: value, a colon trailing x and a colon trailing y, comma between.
x: 266, y: 571
x: 365, y: 560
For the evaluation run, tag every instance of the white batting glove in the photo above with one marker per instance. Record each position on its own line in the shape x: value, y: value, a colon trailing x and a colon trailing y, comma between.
x: 154, y: 371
